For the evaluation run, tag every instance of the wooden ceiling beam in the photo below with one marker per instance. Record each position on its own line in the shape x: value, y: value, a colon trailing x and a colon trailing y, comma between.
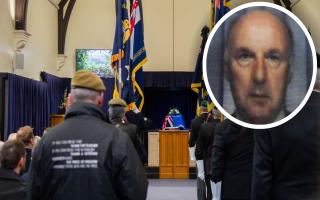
x: 63, y: 21
x: 21, y: 10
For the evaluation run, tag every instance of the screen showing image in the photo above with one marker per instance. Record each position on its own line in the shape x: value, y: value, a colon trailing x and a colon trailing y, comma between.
x: 97, y: 61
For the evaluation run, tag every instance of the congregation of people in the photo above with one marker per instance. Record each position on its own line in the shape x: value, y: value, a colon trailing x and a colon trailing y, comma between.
x: 109, y: 157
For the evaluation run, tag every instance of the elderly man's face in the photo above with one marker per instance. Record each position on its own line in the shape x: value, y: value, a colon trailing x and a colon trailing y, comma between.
x: 258, y: 67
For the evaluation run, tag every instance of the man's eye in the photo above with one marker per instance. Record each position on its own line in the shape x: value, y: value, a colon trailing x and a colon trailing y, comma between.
x: 244, y: 56
x: 273, y: 60
x: 245, y: 59
x: 273, y: 57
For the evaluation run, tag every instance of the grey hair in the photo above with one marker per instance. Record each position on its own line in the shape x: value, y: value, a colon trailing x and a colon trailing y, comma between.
x: 116, y: 114
x: 216, y: 113
x: 84, y: 95
x: 279, y: 15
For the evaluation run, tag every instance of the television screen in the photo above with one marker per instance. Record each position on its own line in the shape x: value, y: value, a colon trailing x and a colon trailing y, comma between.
x: 97, y: 61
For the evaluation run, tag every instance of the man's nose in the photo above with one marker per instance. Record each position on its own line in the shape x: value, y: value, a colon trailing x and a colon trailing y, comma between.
x: 259, y: 71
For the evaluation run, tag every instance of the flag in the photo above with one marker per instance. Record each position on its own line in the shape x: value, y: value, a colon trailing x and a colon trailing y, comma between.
x: 198, y: 85
x: 120, y: 58
x: 218, y: 9
x: 138, y: 54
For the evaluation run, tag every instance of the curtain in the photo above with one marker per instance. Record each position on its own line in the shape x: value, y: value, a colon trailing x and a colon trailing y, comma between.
x: 31, y: 102
x: 56, y: 88
x: 166, y: 90
x: 158, y: 102
x: 27, y: 104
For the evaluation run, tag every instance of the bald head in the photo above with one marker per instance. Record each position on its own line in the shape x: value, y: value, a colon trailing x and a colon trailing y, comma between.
x: 260, y: 21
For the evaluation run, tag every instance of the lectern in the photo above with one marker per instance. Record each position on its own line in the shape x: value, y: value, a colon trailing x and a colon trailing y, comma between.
x: 56, y: 119
x: 174, y: 155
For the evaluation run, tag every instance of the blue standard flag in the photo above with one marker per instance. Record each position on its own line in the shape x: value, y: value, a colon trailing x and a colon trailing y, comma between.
x: 218, y: 9
x: 198, y: 85
x: 138, y: 54
x: 121, y: 54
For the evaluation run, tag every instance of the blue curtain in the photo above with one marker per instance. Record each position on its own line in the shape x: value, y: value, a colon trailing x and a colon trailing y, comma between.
x: 158, y: 102
x: 31, y: 102
x: 165, y: 90
x: 56, y: 87
x: 27, y: 104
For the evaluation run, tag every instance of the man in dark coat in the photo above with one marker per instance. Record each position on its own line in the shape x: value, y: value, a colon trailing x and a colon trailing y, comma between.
x: 13, y: 161
x: 195, y: 128
x: 117, y: 110
x: 232, y: 158
x: 287, y: 158
x: 84, y: 157
x: 204, y: 147
x: 136, y: 117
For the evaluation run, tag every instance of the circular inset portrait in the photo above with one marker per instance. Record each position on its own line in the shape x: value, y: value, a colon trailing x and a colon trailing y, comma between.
x: 259, y: 65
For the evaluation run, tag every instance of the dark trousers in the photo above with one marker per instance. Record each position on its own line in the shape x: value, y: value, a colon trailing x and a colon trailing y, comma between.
x: 204, y: 189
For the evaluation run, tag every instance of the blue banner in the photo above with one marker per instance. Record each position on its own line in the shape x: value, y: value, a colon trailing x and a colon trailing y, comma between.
x: 121, y: 46
x: 138, y: 54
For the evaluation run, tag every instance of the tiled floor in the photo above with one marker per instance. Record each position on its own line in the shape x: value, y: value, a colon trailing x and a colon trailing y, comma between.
x: 175, y: 189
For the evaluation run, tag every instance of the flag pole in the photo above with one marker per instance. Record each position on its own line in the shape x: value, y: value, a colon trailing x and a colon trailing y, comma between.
x: 119, y: 74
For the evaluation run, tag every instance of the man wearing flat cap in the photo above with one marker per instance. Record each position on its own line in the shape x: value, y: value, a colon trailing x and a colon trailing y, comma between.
x: 84, y: 157
x: 117, y: 110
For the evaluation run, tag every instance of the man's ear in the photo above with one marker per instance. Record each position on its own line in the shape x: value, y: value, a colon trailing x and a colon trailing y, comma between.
x: 21, y: 164
x: 69, y: 100
x: 101, y: 99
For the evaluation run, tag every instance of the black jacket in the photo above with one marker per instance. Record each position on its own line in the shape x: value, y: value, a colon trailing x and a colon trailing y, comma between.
x: 11, y: 186
x: 287, y: 158
x: 232, y: 157
x: 131, y: 130
x: 205, y: 139
x: 204, y: 144
x: 86, y: 158
x: 195, y: 127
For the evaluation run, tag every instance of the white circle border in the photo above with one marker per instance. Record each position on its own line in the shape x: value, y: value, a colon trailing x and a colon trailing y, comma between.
x: 204, y: 65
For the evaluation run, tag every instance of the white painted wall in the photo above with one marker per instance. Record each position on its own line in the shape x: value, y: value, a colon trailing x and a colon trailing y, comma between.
x: 308, y: 13
x: 6, y: 35
x: 172, y: 32
x: 89, y: 29
x: 189, y: 18
x: 40, y: 51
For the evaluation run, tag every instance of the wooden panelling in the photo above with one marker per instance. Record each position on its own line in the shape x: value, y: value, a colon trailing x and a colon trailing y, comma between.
x: 174, y: 157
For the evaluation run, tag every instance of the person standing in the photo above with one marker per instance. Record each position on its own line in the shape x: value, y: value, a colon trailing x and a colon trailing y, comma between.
x: 117, y: 110
x: 231, y: 161
x: 85, y: 158
x: 204, y: 146
x: 287, y: 158
x: 195, y: 128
